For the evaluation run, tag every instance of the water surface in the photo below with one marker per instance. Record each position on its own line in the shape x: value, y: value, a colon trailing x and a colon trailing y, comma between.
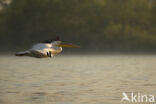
x: 79, y: 79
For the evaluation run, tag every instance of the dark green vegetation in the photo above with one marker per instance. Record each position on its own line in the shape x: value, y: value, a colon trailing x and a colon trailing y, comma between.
x: 97, y: 25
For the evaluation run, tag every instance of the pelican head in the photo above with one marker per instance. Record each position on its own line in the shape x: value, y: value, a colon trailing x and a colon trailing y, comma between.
x: 57, y: 46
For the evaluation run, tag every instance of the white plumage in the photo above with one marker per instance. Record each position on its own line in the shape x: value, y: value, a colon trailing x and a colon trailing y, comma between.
x: 45, y: 49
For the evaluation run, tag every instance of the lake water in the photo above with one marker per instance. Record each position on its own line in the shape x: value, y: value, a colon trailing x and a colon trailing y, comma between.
x: 77, y: 79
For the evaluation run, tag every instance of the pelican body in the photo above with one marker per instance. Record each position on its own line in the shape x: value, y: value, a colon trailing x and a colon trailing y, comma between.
x: 45, y: 49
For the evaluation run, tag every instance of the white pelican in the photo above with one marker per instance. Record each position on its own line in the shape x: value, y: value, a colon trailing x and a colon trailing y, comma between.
x: 47, y: 48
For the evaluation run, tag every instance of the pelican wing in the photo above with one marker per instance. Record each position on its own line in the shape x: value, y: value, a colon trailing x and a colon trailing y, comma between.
x: 41, y: 46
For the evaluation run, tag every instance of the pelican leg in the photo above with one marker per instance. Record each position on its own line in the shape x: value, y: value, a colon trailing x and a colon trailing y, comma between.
x: 49, y: 53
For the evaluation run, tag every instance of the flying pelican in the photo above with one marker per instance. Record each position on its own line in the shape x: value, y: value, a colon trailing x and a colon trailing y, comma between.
x: 47, y: 48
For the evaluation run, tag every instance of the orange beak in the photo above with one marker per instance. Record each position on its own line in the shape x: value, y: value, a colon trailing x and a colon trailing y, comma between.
x: 69, y: 45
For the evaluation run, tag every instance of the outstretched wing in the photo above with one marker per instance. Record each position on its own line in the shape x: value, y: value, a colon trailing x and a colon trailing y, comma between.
x: 41, y: 46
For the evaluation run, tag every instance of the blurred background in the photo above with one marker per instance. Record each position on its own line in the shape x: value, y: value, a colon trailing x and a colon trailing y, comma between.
x: 96, y: 25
